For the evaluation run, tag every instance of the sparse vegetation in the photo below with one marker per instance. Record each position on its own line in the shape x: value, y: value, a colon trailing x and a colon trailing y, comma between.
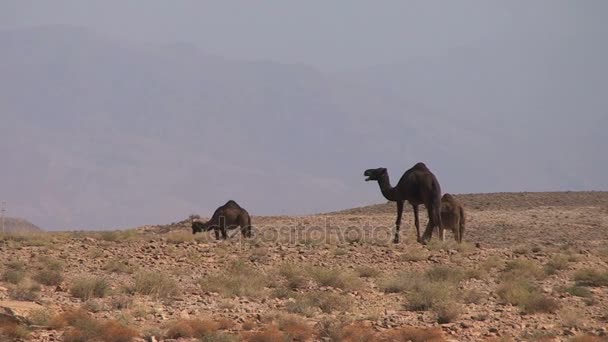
x: 91, y: 287
x: 525, y: 295
x: 14, y: 272
x: 591, y: 277
x: 118, y: 266
x: 367, y: 272
x: 331, y: 291
x: 522, y: 269
x: 190, y: 328
x: 326, y: 302
x: 238, y: 280
x: 157, y: 284
x: 579, y: 291
x: 334, y: 277
x: 25, y: 290
x: 48, y: 277
x: 558, y: 262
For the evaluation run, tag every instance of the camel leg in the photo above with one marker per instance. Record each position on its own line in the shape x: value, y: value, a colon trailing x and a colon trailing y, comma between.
x: 223, y: 228
x: 461, y: 225
x: 428, y: 233
x: 217, y: 233
x: 246, y: 231
x: 416, y: 222
x: 398, y: 222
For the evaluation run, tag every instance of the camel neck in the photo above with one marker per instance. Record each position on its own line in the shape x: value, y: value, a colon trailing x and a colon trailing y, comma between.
x: 387, y: 190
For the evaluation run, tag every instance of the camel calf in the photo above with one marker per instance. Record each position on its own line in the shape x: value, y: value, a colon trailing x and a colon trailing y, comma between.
x: 452, y: 216
x: 228, y: 216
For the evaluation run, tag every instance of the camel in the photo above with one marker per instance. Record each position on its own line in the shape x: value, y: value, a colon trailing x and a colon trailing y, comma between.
x: 418, y: 185
x: 228, y: 216
x: 452, y: 216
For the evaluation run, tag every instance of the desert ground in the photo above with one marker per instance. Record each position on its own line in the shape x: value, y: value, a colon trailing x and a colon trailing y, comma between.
x: 533, y: 267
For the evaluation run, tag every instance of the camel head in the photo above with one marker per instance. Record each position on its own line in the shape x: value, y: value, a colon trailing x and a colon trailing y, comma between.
x: 198, y: 226
x: 374, y: 174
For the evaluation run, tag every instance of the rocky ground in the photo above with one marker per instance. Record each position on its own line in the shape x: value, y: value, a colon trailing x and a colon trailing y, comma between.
x: 534, y: 267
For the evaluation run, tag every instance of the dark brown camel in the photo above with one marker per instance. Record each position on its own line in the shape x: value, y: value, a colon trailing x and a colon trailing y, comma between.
x: 228, y: 216
x: 452, y: 216
x: 418, y: 185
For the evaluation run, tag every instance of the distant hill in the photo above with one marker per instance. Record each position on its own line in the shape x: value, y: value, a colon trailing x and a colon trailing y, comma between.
x: 504, y: 201
x: 19, y: 225
x: 99, y: 133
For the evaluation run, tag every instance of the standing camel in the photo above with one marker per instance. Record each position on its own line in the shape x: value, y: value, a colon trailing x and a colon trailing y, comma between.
x: 452, y: 216
x: 228, y: 216
x: 418, y: 185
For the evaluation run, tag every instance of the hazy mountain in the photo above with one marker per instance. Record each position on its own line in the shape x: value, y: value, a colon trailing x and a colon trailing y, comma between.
x: 100, y: 133
x: 19, y: 225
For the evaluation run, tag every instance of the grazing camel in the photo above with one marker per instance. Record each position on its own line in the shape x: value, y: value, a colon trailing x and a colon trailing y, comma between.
x: 228, y: 216
x: 418, y: 185
x: 452, y: 216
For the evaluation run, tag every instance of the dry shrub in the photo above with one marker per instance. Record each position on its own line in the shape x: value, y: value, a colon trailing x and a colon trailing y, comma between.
x: 269, y: 334
x: 522, y: 269
x: 295, y: 276
x: 180, y: 329
x: 415, y: 254
x: 327, y: 302
x: 539, y: 303
x: 12, y: 331
x: 121, y: 302
x: 225, y: 324
x: 428, y: 295
x: 41, y: 317
x: 587, y: 338
x: 48, y: 277
x: 72, y: 317
x: 334, y: 277
x: 399, y: 282
x: 557, y: 263
x: 87, y: 288
x: 191, y: 328
x: 179, y: 237
x: 14, y: 271
x: 579, y: 291
x: 526, y: 296
x: 114, y: 331
x: 367, y: 272
x: 491, y: 263
x: 412, y: 334
x: 295, y: 327
x: 591, y: 277
x: 25, y: 290
x: 238, y: 280
x: 473, y: 296
x: 81, y: 327
x: 329, y: 330
x: 118, y: 266
x: 357, y: 333
x: 157, y: 284
x: 248, y: 325
x: 444, y: 273
x: 571, y: 317
x: 447, y: 312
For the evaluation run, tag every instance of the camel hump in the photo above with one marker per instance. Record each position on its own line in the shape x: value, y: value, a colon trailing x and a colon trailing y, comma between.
x: 420, y: 166
x: 447, y: 197
x: 231, y: 204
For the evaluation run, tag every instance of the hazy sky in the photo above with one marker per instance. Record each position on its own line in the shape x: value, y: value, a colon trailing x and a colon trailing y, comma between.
x: 127, y: 130
x: 327, y: 34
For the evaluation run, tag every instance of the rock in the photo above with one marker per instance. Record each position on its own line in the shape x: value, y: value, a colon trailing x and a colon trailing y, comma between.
x: 16, y: 311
